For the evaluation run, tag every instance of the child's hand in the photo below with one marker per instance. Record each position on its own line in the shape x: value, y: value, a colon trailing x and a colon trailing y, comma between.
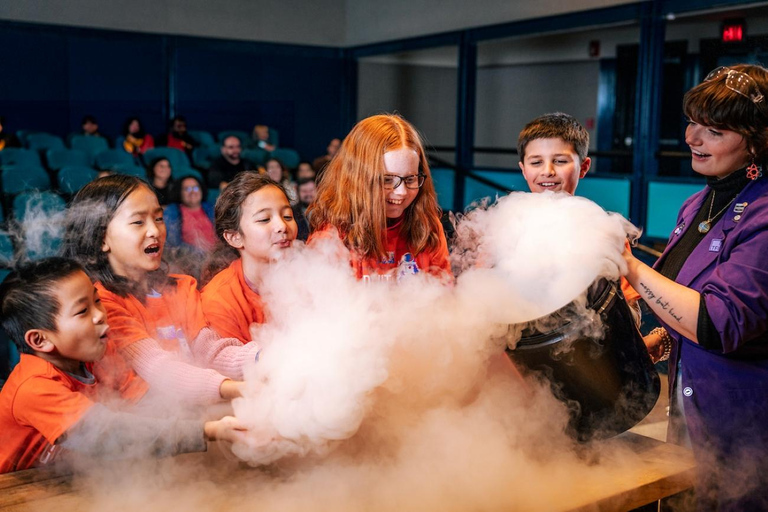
x: 225, y: 429
x: 230, y: 389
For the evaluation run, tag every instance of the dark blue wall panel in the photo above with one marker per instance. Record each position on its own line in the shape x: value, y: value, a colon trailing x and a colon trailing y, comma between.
x: 56, y: 75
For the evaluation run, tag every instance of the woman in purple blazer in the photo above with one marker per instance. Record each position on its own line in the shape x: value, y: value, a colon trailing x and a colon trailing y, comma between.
x: 709, y: 289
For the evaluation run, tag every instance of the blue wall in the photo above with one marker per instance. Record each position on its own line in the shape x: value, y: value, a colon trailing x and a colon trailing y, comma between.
x: 55, y: 75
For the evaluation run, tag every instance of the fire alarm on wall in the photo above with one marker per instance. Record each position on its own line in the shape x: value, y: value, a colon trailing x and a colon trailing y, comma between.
x: 733, y: 31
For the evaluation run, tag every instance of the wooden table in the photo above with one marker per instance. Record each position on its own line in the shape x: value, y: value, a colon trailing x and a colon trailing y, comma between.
x: 663, y: 470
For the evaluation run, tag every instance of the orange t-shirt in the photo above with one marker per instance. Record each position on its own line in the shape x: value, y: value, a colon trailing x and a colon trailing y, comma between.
x: 38, y: 403
x: 230, y: 305
x: 399, y: 260
x: 173, y: 318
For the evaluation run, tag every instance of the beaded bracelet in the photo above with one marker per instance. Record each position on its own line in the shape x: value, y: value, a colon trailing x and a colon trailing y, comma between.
x: 666, y: 341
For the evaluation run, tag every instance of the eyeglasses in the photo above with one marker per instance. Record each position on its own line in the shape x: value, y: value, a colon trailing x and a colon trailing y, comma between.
x: 738, y: 82
x: 414, y: 181
x: 192, y: 189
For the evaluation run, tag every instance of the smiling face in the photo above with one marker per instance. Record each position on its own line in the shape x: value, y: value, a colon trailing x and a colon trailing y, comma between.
x: 275, y: 170
x: 403, y: 162
x: 162, y: 172
x: 191, y: 193
x: 136, y: 236
x: 552, y: 164
x: 716, y: 152
x: 267, y: 226
x: 81, y: 323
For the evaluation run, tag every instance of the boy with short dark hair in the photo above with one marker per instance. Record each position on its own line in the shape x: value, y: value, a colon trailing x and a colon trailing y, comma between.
x: 553, y: 156
x: 553, y: 153
x: 52, y: 312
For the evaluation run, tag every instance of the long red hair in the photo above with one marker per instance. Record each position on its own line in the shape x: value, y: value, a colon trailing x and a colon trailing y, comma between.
x: 350, y: 196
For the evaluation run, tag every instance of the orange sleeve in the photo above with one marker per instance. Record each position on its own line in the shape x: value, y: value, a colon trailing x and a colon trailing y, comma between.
x: 441, y: 259
x: 126, y: 325
x: 630, y: 294
x: 229, y: 309
x: 192, y: 317
x: 49, y: 406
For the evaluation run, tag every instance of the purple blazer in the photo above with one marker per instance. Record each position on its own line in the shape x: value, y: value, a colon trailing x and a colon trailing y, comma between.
x: 725, y: 394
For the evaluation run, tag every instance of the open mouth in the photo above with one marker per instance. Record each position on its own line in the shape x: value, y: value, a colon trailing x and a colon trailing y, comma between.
x: 152, y: 249
x: 395, y: 201
x: 283, y: 244
x: 548, y: 184
x: 699, y: 154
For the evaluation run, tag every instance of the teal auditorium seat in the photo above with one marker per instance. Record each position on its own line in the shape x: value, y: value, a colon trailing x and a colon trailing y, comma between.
x: 17, y: 179
x: 204, y: 155
x: 74, y: 177
x: 245, y: 137
x: 204, y: 138
x: 256, y: 155
x: 23, y: 134
x: 43, y: 212
x: 106, y: 159
x: 44, y: 142
x: 179, y: 172
x: 46, y: 202
x: 58, y: 158
x: 130, y: 170
x: 6, y: 250
x: 19, y: 157
x: 91, y: 145
x: 288, y: 157
x: 176, y: 157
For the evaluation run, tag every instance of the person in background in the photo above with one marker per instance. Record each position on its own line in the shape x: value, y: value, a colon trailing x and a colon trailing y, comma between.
x: 89, y: 127
x: 50, y: 402
x: 7, y: 139
x: 177, y: 136
x: 159, y: 176
x: 261, y: 137
x: 189, y: 219
x: 229, y: 164
x: 305, y: 170
x: 137, y: 140
x: 320, y: 162
x: 279, y: 173
x: 709, y: 290
x: 307, y: 191
x: 378, y: 195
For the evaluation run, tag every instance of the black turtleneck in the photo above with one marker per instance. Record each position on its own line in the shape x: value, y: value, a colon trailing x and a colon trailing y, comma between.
x: 724, y: 190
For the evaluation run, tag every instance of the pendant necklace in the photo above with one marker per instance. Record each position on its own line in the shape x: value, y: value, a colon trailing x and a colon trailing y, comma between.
x: 706, y: 225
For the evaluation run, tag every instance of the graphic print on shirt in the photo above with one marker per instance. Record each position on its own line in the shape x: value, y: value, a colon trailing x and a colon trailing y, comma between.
x: 407, y: 266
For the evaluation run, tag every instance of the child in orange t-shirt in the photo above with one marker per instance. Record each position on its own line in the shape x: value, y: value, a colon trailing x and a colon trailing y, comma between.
x: 254, y: 223
x: 553, y: 156
x: 115, y: 228
x: 378, y: 195
x: 52, y: 312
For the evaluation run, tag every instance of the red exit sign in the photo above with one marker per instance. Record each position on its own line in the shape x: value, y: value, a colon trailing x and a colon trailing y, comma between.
x: 733, y: 31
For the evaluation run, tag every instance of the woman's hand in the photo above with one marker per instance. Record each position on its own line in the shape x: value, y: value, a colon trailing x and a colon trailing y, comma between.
x: 230, y: 389
x: 654, y: 344
x: 225, y: 429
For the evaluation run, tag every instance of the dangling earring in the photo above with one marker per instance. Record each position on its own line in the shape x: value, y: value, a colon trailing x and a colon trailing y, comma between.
x: 754, y: 171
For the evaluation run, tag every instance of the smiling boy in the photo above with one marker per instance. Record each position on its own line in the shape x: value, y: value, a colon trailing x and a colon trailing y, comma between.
x: 553, y: 153
x: 52, y: 312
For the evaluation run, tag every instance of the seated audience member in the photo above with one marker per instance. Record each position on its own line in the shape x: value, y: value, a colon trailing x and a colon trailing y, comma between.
x: 178, y: 137
x: 305, y: 170
x: 50, y: 402
x: 321, y: 161
x: 137, y: 140
x: 90, y: 127
x: 159, y: 176
x: 7, y: 139
x: 225, y: 167
x: 261, y: 137
x: 279, y: 173
x: 189, y: 220
x: 307, y: 190
x: 553, y: 156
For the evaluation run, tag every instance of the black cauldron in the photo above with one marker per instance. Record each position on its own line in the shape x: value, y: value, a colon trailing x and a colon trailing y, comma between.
x: 610, y: 383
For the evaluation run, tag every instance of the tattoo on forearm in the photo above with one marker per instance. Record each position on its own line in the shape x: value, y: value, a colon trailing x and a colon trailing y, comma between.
x: 664, y: 304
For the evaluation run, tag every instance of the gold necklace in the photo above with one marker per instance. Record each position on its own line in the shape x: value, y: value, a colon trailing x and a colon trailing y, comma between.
x: 706, y: 225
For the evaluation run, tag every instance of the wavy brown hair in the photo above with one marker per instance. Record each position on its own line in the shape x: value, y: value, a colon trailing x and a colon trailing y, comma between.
x: 713, y: 104
x: 350, y: 195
